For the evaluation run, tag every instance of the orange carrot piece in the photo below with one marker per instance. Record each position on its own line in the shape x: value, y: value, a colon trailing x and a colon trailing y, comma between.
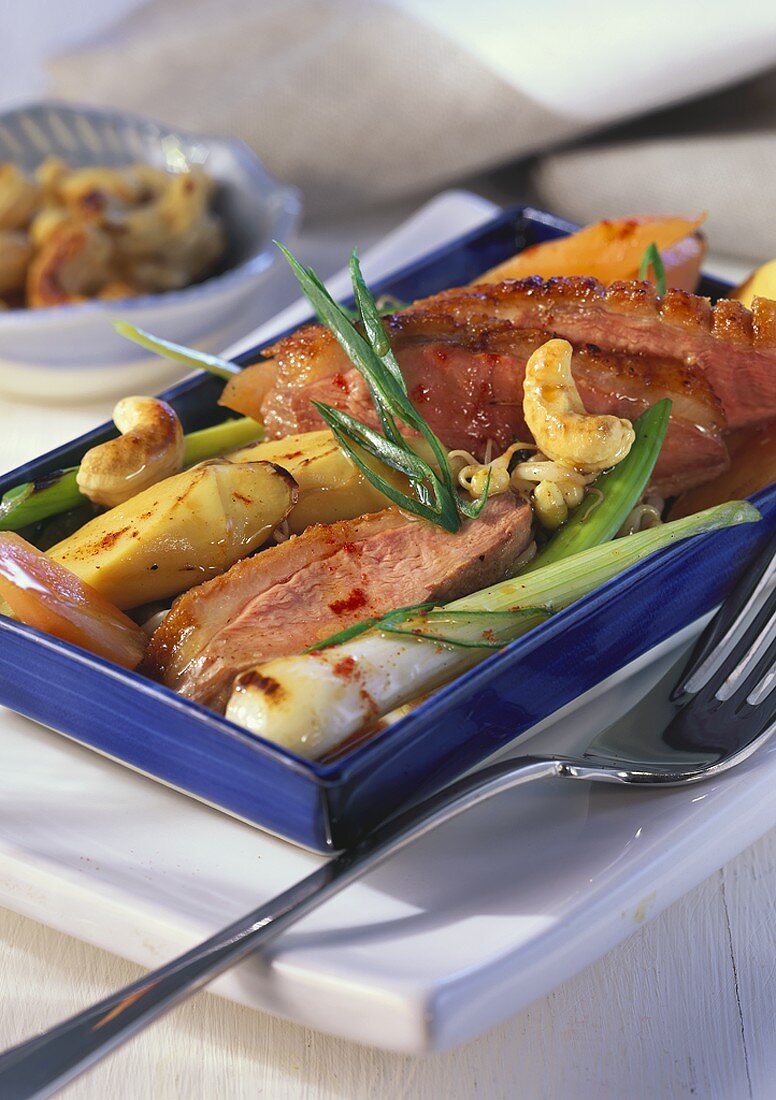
x: 608, y: 250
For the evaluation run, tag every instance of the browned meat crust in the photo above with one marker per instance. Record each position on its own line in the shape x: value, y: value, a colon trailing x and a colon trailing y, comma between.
x: 463, y: 353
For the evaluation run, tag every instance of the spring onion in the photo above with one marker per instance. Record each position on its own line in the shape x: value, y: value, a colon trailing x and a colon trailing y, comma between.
x: 326, y: 696
x: 653, y: 259
x: 468, y: 629
x: 616, y: 493
x: 58, y: 492
x: 220, y: 438
x: 189, y: 357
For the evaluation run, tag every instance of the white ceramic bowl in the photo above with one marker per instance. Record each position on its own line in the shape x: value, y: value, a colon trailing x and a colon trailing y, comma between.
x: 71, y: 352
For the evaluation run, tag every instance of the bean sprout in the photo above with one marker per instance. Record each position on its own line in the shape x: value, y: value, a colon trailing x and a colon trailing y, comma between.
x: 598, y: 500
x: 645, y: 515
x: 551, y: 487
x: 473, y: 476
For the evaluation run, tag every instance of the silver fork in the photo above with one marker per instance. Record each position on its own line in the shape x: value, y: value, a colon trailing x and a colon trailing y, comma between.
x: 726, y: 708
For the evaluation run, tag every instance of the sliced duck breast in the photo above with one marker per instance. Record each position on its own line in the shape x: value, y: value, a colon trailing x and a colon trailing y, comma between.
x: 293, y: 595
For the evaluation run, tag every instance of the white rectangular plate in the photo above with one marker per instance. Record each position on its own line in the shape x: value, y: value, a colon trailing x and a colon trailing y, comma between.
x: 455, y: 934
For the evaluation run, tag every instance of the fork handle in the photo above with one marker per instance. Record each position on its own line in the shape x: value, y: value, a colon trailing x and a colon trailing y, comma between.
x: 42, y: 1064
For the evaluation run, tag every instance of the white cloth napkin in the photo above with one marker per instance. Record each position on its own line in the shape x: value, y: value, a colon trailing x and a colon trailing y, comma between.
x: 605, y: 60
x: 361, y: 102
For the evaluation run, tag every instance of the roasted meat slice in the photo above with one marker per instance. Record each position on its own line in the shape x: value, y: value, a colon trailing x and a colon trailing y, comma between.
x: 463, y: 353
x: 466, y: 377
x: 734, y: 347
x: 291, y: 596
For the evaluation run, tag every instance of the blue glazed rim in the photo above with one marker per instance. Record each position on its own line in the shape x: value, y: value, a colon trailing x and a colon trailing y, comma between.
x: 336, y: 774
x: 280, y: 199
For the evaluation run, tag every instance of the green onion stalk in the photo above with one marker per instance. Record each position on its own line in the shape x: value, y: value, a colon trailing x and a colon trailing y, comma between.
x: 653, y: 259
x: 58, y: 492
x: 189, y: 357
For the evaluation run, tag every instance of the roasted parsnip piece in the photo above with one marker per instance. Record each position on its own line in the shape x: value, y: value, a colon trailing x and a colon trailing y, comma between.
x: 43, y: 594
x: 760, y: 284
x: 179, y: 532
x: 330, y: 486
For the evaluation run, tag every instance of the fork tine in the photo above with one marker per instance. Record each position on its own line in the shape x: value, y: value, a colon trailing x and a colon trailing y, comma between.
x: 750, y: 659
x: 729, y: 632
x: 725, y: 694
x: 753, y: 700
x: 764, y: 686
x: 736, y: 704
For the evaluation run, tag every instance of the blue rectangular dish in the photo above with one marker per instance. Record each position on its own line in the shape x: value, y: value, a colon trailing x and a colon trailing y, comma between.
x: 327, y: 806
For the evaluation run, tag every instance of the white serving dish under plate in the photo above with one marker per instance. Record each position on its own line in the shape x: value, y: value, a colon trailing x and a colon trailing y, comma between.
x: 71, y: 352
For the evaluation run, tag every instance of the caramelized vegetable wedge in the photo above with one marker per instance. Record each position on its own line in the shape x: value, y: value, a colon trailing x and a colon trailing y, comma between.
x: 330, y: 485
x: 180, y: 532
x: 760, y: 284
x: 612, y: 250
x: 45, y: 595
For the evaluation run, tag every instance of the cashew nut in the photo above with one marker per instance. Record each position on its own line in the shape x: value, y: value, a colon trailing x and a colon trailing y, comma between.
x: 562, y: 428
x: 19, y: 197
x: 73, y: 264
x: 15, y: 252
x: 173, y: 239
x: 149, y: 449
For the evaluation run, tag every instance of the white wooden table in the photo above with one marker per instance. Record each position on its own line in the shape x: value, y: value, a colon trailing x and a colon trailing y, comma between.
x: 686, y: 1007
